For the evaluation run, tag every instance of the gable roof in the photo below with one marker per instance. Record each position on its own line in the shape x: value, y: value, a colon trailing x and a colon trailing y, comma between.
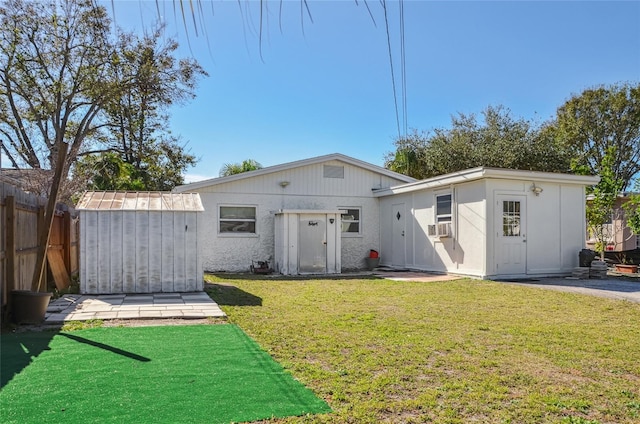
x: 483, y: 172
x: 139, y: 201
x: 296, y: 164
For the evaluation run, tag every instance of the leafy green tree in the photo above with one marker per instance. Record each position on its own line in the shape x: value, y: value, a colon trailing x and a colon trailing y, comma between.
x: 598, y: 119
x: 107, y: 171
x: 238, y: 168
x: 601, y: 200
x: 497, y: 140
x: 137, y: 121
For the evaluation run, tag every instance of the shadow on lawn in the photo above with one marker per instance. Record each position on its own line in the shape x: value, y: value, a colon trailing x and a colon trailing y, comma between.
x: 19, y: 350
x: 106, y: 347
x: 229, y: 295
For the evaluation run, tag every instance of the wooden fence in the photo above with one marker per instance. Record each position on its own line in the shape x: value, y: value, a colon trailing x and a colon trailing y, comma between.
x: 21, y: 215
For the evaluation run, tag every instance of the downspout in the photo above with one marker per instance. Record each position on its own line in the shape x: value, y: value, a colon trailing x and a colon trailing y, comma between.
x: 454, y: 214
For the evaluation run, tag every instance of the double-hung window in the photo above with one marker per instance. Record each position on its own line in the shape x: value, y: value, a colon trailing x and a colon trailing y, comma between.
x: 237, y: 220
x: 443, y: 208
x: 351, y: 221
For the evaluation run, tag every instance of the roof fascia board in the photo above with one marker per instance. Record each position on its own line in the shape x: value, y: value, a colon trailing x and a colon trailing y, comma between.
x: 291, y: 165
x: 487, y: 173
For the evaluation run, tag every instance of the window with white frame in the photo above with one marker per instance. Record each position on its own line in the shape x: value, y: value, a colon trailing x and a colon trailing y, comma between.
x: 237, y: 220
x: 443, y: 208
x: 351, y: 220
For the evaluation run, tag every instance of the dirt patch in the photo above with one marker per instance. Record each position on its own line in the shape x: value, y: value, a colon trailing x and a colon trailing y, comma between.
x: 113, y: 323
x: 161, y: 322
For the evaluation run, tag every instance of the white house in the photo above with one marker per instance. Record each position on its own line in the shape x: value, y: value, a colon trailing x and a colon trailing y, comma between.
x: 318, y: 215
x: 324, y: 214
x: 486, y: 222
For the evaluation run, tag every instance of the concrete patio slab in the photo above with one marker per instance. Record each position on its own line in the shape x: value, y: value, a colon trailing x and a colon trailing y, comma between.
x: 121, y: 306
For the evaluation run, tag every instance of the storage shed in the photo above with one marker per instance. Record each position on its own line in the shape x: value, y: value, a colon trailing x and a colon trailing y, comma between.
x: 139, y: 242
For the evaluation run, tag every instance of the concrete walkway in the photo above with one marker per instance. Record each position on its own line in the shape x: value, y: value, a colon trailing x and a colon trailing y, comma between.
x: 75, y: 307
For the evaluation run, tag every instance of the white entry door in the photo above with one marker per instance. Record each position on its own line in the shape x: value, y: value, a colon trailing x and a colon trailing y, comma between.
x: 511, y: 227
x: 398, y: 248
x: 312, y: 254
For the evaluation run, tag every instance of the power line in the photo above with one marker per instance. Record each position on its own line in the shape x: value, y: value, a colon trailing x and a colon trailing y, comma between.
x: 402, y: 129
x: 403, y: 68
x: 393, y: 78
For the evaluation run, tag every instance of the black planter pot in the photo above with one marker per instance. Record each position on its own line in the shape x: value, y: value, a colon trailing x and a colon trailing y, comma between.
x: 29, y: 307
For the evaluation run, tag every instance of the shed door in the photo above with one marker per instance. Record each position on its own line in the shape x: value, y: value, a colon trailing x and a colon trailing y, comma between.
x: 511, y: 245
x: 398, y: 252
x: 312, y: 254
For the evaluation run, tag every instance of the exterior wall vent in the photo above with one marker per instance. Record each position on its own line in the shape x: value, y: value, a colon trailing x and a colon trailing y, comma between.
x: 333, y: 171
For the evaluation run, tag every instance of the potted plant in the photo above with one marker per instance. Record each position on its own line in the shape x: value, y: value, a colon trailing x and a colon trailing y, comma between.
x: 624, y: 266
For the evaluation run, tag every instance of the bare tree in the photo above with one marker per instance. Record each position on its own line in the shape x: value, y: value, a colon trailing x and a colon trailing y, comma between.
x: 54, y: 61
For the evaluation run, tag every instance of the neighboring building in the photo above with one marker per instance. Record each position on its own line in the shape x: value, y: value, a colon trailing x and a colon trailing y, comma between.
x: 324, y: 214
x: 311, y: 216
x: 620, y: 237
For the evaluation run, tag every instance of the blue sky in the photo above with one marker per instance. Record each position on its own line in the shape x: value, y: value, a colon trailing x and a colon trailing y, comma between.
x: 325, y: 86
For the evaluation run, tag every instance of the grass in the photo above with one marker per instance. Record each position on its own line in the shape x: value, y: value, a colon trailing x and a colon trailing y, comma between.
x: 179, y: 374
x: 448, y: 352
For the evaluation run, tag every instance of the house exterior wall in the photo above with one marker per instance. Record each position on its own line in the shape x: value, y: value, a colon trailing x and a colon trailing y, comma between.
x: 139, y: 252
x: 553, y: 232
x: 554, y: 225
x: 462, y: 253
x: 307, y: 189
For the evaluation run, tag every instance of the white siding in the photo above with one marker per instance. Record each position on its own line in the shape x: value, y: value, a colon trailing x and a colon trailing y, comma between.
x: 307, y: 189
x: 463, y: 252
x: 470, y: 228
x: 143, y: 251
x: 555, y: 227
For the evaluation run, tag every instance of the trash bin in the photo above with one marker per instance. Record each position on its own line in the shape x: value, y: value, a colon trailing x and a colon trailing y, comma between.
x: 585, y: 257
x: 372, y: 263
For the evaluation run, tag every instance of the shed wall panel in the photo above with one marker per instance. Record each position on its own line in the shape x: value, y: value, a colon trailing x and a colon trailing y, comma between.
x: 129, y: 252
x: 167, y: 252
x: 155, y: 251
x: 91, y: 251
x: 104, y: 253
x: 116, y: 232
x: 142, y: 252
x: 180, y: 277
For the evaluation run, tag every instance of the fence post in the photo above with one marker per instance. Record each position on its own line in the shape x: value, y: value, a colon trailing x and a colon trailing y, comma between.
x: 10, y: 248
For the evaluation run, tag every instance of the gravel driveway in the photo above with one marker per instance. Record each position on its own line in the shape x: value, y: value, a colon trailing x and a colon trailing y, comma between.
x: 611, y: 287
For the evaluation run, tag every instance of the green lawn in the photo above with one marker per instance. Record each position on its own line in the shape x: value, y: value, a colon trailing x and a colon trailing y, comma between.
x: 456, y: 351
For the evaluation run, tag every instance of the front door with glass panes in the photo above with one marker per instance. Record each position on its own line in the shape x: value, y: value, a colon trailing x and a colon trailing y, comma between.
x: 511, y: 240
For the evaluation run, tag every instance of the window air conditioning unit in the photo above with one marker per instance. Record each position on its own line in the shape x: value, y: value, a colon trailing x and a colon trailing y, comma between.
x: 444, y: 229
x: 431, y: 231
